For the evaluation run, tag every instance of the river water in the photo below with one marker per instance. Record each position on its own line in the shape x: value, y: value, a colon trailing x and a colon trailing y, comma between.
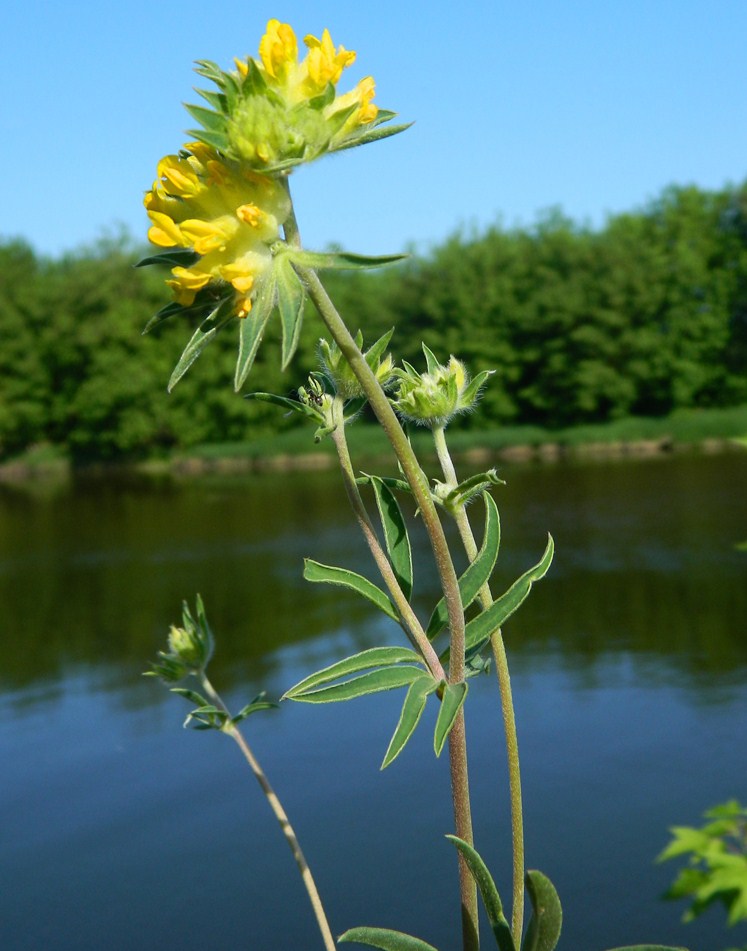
x: 123, y: 831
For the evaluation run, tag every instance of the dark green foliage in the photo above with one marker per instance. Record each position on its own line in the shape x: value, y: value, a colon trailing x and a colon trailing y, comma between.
x: 642, y: 317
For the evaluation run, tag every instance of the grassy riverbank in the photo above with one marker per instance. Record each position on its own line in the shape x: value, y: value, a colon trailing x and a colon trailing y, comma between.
x: 710, y: 429
x: 707, y: 429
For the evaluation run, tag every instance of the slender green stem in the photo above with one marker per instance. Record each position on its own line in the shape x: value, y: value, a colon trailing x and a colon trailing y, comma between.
x: 507, y: 704
x: 280, y: 815
x: 444, y: 565
x: 412, y: 626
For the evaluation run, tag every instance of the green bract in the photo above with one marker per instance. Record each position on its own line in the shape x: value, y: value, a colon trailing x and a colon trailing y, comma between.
x: 433, y: 398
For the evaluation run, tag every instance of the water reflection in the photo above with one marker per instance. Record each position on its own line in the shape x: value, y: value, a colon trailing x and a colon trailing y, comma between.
x: 645, y: 563
x: 629, y: 663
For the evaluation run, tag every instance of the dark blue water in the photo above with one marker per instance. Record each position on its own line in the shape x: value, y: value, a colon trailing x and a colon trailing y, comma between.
x: 122, y: 831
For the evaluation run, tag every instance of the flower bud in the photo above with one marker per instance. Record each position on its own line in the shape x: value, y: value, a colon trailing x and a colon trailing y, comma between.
x: 435, y: 397
x: 337, y: 368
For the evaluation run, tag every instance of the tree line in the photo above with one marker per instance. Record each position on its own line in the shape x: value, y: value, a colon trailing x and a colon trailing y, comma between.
x: 642, y: 316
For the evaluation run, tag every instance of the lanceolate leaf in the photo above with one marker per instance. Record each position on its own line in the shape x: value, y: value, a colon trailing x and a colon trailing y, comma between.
x: 285, y: 403
x: 478, y: 572
x: 210, y: 120
x: 172, y: 257
x: 451, y: 703
x: 200, y: 339
x: 372, y: 136
x: 543, y: 930
x: 412, y: 709
x: 480, y: 629
x: 365, y: 660
x: 314, y: 571
x: 291, y: 298
x: 251, y: 329
x: 385, y: 939
x: 490, y: 897
x: 343, y: 260
x: 388, y: 678
x: 395, y: 535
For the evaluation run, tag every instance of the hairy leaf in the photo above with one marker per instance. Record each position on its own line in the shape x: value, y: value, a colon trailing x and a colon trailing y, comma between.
x: 395, y: 535
x: 365, y: 660
x: 251, y: 329
x: 291, y: 297
x: 478, y: 572
x: 451, y: 703
x: 315, y: 571
x: 412, y: 710
x: 543, y: 930
x: 489, y: 893
x: 387, y: 678
x: 222, y: 315
x: 385, y: 939
x: 480, y: 629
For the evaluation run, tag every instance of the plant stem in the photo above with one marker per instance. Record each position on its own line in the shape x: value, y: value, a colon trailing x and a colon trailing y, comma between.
x: 507, y: 705
x: 415, y: 476
x: 412, y: 626
x: 280, y: 815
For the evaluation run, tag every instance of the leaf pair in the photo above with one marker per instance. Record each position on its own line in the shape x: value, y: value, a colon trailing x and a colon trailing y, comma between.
x: 386, y: 668
x: 207, y: 716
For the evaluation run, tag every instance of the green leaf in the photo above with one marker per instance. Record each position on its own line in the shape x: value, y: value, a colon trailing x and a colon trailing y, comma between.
x: 543, y: 930
x: 216, y: 140
x: 170, y: 310
x: 190, y: 695
x: 259, y: 703
x: 376, y: 351
x: 173, y: 257
x: 479, y: 629
x: 340, y: 260
x: 222, y: 314
x: 463, y: 493
x: 216, y: 99
x: 432, y: 364
x: 210, y: 70
x: 373, y: 135
x: 412, y: 710
x: 316, y: 572
x: 291, y: 297
x: 388, y: 678
x: 489, y: 893
x: 251, y: 329
x: 478, y: 572
x: 211, y: 121
x: 365, y: 660
x: 451, y: 703
x: 395, y: 534
x: 285, y: 403
x: 385, y: 939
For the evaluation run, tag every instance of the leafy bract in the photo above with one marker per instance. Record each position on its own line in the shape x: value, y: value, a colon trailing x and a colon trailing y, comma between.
x: 252, y: 328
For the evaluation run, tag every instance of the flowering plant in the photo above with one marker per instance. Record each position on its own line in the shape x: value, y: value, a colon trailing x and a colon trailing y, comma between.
x: 222, y: 218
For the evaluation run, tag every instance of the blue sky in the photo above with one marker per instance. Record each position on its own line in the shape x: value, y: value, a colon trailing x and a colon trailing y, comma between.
x: 518, y: 107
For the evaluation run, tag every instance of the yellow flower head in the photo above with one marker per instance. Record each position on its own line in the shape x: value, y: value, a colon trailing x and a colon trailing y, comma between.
x: 227, y: 215
x: 277, y: 111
